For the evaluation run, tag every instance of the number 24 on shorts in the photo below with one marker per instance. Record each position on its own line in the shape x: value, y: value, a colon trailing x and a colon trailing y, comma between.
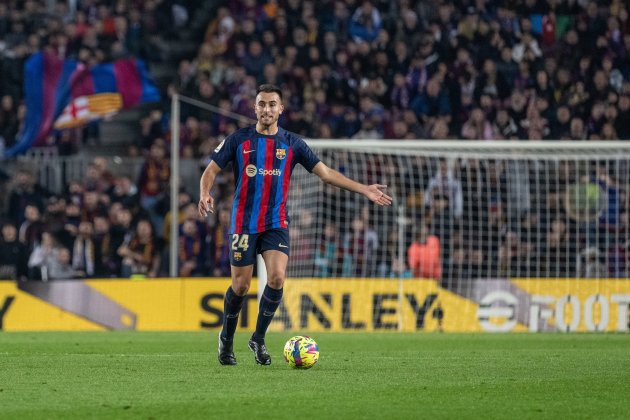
x: 240, y: 242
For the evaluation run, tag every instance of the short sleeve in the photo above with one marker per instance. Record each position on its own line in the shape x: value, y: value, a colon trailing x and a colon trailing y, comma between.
x: 224, y: 153
x: 305, y: 156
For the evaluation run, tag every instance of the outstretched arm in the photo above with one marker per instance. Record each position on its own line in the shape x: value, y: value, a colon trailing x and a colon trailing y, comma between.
x: 373, y: 192
x: 206, y: 202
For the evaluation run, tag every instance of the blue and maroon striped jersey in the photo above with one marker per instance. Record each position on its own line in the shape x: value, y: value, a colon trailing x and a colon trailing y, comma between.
x: 262, y: 169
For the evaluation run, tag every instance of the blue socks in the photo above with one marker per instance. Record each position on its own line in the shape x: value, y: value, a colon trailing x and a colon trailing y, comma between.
x: 269, y: 302
x: 231, y: 308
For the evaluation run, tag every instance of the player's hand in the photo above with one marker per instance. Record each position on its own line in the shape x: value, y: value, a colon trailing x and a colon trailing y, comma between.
x: 206, y: 205
x: 376, y: 193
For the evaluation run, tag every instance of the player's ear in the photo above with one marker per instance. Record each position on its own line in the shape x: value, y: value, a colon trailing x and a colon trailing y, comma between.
x: 281, y: 108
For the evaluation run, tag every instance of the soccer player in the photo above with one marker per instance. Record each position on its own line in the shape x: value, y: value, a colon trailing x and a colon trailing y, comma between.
x: 263, y: 157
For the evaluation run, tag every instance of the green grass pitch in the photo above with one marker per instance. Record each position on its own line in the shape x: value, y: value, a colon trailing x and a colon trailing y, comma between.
x: 359, y: 375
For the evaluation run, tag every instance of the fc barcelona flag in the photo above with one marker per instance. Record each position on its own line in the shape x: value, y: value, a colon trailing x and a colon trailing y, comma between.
x: 64, y: 93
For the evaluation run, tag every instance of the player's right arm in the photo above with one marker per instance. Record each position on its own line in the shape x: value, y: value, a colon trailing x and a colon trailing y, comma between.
x: 223, y: 154
x: 206, y: 202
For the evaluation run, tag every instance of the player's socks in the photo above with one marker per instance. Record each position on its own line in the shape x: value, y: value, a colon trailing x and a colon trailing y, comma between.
x: 231, y: 308
x: 269, y: 302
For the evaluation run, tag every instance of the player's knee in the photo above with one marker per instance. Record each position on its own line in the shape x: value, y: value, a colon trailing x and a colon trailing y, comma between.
x: 275, y: 280
x: 240, y: 289
x: 240, y: 285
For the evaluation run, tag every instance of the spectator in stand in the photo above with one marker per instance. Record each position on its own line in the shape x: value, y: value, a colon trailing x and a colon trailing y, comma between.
x: 13, y: 254
x: 121, y: 231
x: 561, y: 124
x: 559, y: 252
x: 153, y: 181
x: 93, y: 179
x: 590, y: 264
x: 423, y: 255
x: 102, y: 243
x: 432, y: 103
x: 478, y: 127
x: 91, y: 206
x: 83, y: 250
x: 150, y: 130
x: 184, y: 202
x: 125, y: 192
x: 359, y: 248
x: 491, y: 82
x: 505, y: 126
x: 25, y: 192
x: 327, y: 256
x: 218, y: 242
x: 513, y: 256
x: 577, y: 130
x: 55, y: 214
x: 9, y: 123
x: 446, y: 184
x: 41, y: 257
x: 365, y: 23
x: 393, y: 264
x: 191, y: 252
x: 141, y: 255
x: 60, y: 266
x: 621, y: 122
x: 101, y: 164
x: 30, y: 231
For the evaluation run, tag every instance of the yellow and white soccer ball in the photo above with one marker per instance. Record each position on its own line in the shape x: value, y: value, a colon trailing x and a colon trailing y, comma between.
x: 301, y: 352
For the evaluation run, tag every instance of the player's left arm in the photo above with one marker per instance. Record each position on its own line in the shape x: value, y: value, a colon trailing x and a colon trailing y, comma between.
x: 374, y: 192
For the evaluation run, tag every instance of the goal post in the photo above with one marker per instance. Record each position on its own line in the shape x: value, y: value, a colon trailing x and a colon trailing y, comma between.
x: 499, y: 232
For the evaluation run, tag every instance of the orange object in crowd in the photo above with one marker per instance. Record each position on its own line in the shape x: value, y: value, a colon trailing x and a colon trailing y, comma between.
x: 424, y: 258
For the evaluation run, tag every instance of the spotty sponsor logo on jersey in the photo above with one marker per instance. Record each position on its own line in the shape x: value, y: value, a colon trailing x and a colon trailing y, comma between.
x: 265, y: 172
x: 250, y: 170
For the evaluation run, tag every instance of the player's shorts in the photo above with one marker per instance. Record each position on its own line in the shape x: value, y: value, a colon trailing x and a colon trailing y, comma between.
x: 244, y: 246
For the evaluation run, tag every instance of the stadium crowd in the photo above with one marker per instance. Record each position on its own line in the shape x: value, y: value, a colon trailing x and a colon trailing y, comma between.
x: 434, y: 69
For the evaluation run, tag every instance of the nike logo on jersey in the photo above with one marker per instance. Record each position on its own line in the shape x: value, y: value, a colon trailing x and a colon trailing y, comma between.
x: 282, y: 246
x: 245, y: 152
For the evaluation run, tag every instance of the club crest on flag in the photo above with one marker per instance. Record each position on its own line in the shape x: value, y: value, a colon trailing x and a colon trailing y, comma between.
x: 281, y: 153
x: 84, y: 109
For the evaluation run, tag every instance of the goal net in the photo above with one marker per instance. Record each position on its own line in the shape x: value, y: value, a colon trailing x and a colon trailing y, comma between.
x: 484, y: 236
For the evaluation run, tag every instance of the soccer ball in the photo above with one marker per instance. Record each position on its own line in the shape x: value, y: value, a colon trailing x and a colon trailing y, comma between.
x: 301, y: 352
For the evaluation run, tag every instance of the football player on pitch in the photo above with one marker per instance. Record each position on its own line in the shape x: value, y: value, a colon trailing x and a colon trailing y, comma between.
x: 263, y: 157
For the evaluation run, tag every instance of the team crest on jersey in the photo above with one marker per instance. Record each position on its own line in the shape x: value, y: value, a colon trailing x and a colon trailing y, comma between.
x: 281, y: 153
x: 237, y: 256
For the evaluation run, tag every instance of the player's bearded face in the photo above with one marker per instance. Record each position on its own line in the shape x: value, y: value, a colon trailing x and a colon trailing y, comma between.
x: 268, y: 108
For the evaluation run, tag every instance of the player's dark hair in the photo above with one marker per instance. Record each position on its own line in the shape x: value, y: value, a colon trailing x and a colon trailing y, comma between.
x: 269, y: 88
